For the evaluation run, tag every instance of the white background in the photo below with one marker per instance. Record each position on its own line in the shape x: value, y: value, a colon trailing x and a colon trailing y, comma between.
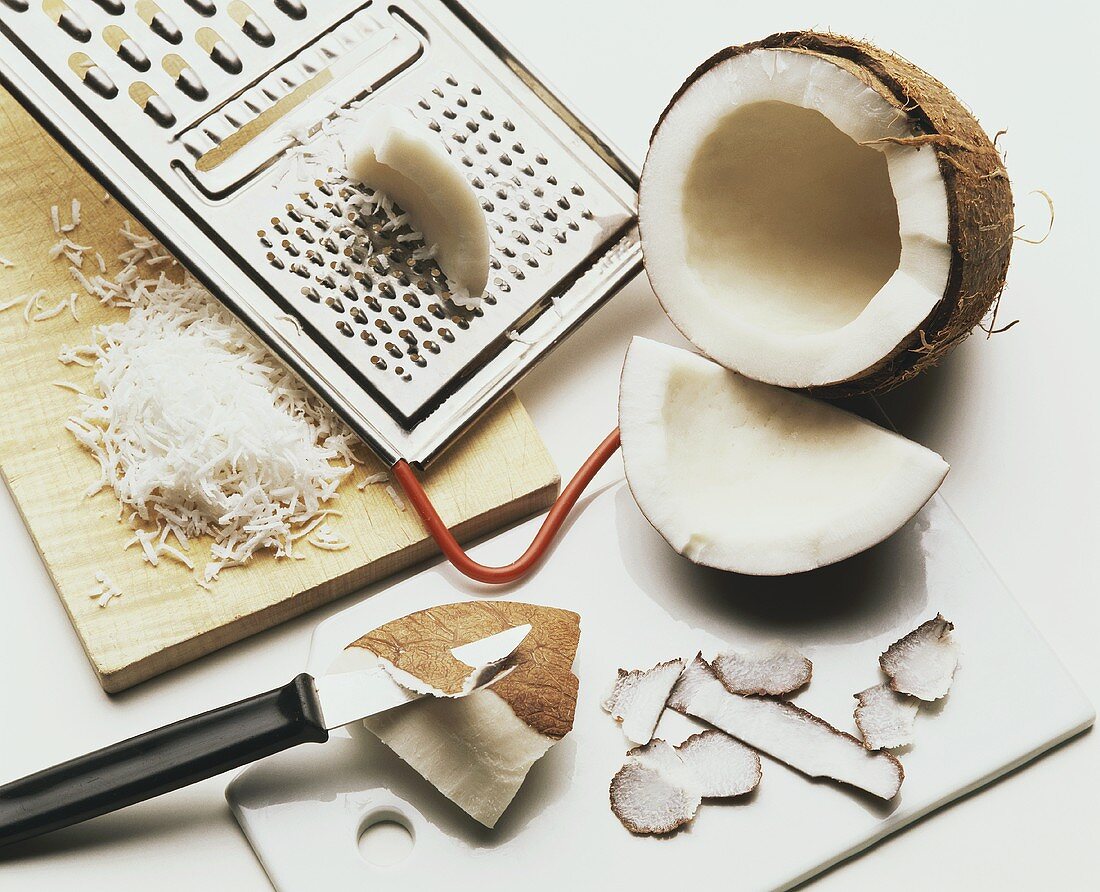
x: 1015, y: 415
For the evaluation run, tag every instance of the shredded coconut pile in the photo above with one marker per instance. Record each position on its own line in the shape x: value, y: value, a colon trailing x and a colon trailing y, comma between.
x: 197, y: 429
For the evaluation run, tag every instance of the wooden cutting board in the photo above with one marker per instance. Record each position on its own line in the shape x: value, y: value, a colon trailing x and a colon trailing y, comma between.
x: 498, y: 473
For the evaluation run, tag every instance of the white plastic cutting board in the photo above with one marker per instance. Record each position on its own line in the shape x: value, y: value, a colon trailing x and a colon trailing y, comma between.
x: 303, y: 810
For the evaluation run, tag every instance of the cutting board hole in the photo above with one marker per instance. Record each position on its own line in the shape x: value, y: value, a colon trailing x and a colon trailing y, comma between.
x: 385, y: 839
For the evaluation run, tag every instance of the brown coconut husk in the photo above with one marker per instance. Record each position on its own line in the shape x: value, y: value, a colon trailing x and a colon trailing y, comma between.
x: 979, y: 196
x: 541, y: 689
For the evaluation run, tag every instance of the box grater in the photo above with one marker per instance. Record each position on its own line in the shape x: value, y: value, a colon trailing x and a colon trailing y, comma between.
x: 205, y: 118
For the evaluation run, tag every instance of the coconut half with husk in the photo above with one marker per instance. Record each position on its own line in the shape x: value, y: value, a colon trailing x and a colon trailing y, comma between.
x: 818, y: 213
x: 756, y: 479
x: 476, y: 750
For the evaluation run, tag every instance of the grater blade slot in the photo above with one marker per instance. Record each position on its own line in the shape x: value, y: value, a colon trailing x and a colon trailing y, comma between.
x: 246, y: 132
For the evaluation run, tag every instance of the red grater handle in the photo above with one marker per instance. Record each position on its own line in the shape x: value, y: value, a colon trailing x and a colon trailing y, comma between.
x: 535, y: 551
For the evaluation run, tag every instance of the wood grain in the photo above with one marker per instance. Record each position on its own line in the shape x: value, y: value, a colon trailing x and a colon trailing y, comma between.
x: 498, y: 473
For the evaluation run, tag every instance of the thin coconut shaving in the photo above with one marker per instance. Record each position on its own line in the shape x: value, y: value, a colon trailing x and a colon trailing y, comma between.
x: 106, y: 591
x: 196, y: 428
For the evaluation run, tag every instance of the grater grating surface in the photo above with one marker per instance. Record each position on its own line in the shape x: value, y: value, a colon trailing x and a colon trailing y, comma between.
x: 222, y: 125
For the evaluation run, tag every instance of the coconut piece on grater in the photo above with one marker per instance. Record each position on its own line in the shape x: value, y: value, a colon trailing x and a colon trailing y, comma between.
x: 401, y: 157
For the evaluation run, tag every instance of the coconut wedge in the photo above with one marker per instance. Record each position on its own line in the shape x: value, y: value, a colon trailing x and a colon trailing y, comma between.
x: 786, y: 732
x: 407, y: 162
x: 476, y: 750
x: 755, y: 479
x: 818, y: 213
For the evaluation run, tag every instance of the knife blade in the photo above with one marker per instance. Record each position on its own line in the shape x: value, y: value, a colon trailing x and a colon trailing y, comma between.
x: 199, y: 747
x: 347, y: 697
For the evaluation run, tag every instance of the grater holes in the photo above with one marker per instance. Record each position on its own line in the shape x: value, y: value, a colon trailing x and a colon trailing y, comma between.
x: 294, y: 9
x: 92, y: 76
x: 159, y: 22
x: 66, y: 19
x: 391, y: 293
x: 252, y: 26
x: 205, y: 8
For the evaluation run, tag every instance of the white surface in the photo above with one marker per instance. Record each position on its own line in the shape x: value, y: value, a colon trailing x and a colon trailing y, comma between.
x: 1011, y: 698
x: 1014, y: 415
x: 302, y: 810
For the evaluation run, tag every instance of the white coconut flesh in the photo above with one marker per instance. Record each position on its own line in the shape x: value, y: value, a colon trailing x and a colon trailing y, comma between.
x: 780, y: 236
x: 475, y: 750
x: 787, y: 733
x: 638, y: 698
x: 753, y: 478
x: 405, y: 161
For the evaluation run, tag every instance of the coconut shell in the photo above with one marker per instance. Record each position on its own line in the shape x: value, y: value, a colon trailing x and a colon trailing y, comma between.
x: 979, y: 196
x: 541, y: 689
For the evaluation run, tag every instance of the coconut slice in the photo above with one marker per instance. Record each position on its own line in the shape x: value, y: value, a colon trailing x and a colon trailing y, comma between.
x: 773, y: 669
x: 885, y: 718
x: 654, y: 792
x: 752, y: 478
x: 722, y: 766
x: 639, y: 696
x: 923, y: 663
x: 786, y: 732
x: 402, y: 158
x: 476, y: 750
x: 818, y: 213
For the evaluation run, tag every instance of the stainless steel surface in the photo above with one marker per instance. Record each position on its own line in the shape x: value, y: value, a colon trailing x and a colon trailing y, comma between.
x: 222, y: 126
x: 351, y: 696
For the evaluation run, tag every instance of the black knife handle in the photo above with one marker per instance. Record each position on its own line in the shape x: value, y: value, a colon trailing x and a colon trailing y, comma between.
x: 162, y: 760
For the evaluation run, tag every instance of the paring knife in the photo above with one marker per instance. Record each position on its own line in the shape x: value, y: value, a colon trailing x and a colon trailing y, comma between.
x: 303, y: 711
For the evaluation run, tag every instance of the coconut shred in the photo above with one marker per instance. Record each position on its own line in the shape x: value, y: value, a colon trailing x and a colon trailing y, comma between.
x: 196, y: 429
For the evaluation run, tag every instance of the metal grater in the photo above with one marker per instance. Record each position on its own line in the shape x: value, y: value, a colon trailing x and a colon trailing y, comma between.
x: 194, y: 112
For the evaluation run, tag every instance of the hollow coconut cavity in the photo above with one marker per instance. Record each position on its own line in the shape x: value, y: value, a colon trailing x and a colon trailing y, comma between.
x: 817, y: 213
x: 755, y: 479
